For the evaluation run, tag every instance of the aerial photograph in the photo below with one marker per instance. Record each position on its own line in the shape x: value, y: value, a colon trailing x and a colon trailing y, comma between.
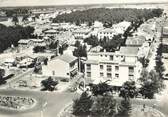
x: 83, y: 58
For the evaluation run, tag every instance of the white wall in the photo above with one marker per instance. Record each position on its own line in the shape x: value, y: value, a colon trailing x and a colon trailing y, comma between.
x: 60, y: 67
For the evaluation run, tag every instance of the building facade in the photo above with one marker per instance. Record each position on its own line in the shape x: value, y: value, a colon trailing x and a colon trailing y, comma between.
x: 65, y: 66
x: 108, y: 33
x: 118, y: 67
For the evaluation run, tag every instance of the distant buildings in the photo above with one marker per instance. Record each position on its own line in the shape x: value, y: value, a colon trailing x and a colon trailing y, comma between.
x: 121, y: 27
x: 136, y: 41
x: 51, y: 33
x: 81, y: 33
x: 26, y: 43
x: 165, y: 30
x: 107, y: 32
x: 119, y: 66
x: 64, y: 66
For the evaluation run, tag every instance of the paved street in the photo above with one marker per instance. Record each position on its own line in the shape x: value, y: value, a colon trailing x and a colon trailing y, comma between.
x: 55, y: 103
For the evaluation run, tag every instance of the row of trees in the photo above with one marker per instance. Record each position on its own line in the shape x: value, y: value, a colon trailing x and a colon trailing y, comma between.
x: 159, y: 64
x: 108, y: 16
x: 12, y: 34
x: 151, y: 83
x: 109, y: 45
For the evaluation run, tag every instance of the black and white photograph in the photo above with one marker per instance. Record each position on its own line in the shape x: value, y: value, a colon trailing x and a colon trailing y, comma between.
x: 83, y: 58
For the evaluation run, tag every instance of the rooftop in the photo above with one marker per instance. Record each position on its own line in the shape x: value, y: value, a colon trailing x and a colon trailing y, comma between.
x: 51, y: 31
x: 129, y: 50
x: 25, y: 41
x: 138, y: 40
x: 67, y: 58
x: 107, y: 30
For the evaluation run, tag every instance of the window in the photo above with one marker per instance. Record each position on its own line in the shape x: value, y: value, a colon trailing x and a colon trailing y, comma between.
x: 108, y: 75
x: 101, y: 55
x: 111, y: 57
x: 109, y: 68
x: 117, y: 75
x: 131, y: 69
x: 105, y: 55
x: 88, y: 66
x: 101, y: 74
x: 116, y: 68
x: 88, y: 74
x: 101, y: 67
x: 131, y: 77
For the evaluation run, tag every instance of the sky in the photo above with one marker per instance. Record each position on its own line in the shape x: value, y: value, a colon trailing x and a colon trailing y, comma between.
x: 67, y: 2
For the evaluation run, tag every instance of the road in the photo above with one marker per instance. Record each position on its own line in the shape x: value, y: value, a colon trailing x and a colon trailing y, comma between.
x: 16, y: 78
x: 55, y: 103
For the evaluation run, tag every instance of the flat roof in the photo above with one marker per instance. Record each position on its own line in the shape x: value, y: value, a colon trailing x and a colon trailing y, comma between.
x: 67, y: 58
x: 129, y: 50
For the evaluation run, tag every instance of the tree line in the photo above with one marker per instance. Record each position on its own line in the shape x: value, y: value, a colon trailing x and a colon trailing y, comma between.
x: 108, y: 16
x: 17, y: 11
x: 12, y: 34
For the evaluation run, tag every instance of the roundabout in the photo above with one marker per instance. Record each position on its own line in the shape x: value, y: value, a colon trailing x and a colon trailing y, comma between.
x: 16, y: 102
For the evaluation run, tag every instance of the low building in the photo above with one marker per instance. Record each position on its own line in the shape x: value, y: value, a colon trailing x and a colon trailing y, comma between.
x: 119, y: 66
x: 136, y: 41
x: 81, y: 33
x: 25, y: 62
x: 38, y: 42
x: 51, y: 33
x: 24, y: 43
x: 65, y: 66
x: 107, y: 32
x: 121, y: 27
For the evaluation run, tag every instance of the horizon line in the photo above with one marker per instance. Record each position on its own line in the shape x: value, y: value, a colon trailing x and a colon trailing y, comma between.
x: 124, y: 3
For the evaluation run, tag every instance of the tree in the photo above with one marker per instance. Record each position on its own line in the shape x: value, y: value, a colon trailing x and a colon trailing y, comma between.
x: 100, y: 89
x: 49, y: 84
x: 53, y: 45
x: 12, y: 34
x: 151, y: 84
x: 80, y: 51
x: 25, y: 18
x: 2, y: 73
x: 37, y: 49
x: 128, y: 90
x: 15, y: 20
x: 61, y: 51
x: 124, y: 109
x: 105, y: 106
x: 38, y: 68
x: 77, y: 43
x: 109, y: 16
x: 144, y: 61
x: 92, y: 40
x: 82, y: 105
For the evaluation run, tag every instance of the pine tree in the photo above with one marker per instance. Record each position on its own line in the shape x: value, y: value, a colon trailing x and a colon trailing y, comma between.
x: 82, y: 105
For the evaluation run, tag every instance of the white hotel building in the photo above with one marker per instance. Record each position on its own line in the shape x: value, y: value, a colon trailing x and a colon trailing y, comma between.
x: 119, y: 66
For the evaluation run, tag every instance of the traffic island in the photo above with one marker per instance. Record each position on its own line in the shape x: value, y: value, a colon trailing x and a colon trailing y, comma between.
x: 16, y: 102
